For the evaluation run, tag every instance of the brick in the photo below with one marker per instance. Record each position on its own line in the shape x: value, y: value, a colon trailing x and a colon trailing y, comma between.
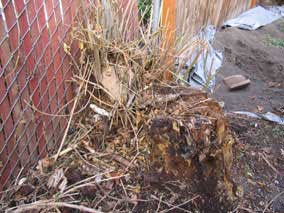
x: 235, y: 82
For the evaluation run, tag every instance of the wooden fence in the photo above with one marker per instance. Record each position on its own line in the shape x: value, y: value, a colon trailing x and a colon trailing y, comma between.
x: 183, y: 19
x: 199, y: 13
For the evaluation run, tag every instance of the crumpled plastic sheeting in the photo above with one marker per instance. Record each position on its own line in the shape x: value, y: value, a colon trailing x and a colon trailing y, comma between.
x: 277, y: 10
x: 202, y: 73
x: 255, y: 18
x: 269, y: 116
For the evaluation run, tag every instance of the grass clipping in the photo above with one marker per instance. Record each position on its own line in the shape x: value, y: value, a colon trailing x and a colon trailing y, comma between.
x: 135, y: 142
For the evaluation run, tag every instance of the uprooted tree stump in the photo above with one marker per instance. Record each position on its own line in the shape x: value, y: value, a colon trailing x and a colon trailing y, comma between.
x: 190, y: 140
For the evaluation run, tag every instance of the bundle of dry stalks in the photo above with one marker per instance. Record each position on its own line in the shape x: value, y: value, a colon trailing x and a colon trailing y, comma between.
x: 115, y: 64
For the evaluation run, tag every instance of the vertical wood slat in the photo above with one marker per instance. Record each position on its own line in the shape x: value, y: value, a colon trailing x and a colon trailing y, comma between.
x: 9, y: 77
x: 37, y: 79
x: 6, y: 120
x: 43, y: 49
x: 53, y: 10
x: 59, y: 78
x: 48, y: 90
x: 24, y: 130
x: 35, y: 67
x: 193, y: 15
x: 68, y: 6
x: 253, y: 3
x: 169, y: 24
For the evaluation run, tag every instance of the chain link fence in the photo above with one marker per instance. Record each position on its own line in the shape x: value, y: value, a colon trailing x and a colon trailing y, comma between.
x: 34, y: 73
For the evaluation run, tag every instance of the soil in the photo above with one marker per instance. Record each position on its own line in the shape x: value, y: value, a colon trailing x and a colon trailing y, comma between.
x: 259, y: 152
x: 250, y: 53
x: 258, y: 166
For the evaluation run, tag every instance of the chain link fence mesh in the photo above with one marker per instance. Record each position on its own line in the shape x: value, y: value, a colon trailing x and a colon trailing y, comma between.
x: 34, y: 74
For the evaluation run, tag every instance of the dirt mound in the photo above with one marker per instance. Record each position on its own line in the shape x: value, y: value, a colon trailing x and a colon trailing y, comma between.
x: 256, y: 55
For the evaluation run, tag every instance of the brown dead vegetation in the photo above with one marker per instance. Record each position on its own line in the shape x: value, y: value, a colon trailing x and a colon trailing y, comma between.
x: 137, y: 136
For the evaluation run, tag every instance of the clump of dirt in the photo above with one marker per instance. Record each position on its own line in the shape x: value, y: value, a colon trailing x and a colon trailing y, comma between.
x: 251, y: 54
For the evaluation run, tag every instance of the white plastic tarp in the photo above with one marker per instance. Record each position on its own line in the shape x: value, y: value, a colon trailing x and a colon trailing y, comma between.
x: 269, y: 116
x: 203, y: 72
x: 256, y: 18
x: 277, y: 10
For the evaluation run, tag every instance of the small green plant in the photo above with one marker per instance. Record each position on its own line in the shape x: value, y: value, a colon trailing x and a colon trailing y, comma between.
x: 275, y: 42
x: 281, y: 28
x: 278, y: 131
x: 145, y: 7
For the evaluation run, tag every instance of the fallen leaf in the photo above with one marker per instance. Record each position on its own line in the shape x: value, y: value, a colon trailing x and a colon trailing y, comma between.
x: 114, y: 86
x: 66, y: 48
x: 99, y: 110
x: 134, y: 198
x: 274, y: 85
x: 121, y: 160
x: 57, y: 180
x: 63, y: 184
x: 24, y: 191
x: 260, y: 108
x: 135, y: 189
x: 81, y: 45
x: 251, y: 182
x: 240, y: 191
x: 228, y: 154
x: 267, y: 150
x: 45, y: 164
x: 22, y: 181
x: 282, y: 152
x: 98, y: 179
x: 175, y: 126
x: 221, y: 130
x: 174, y: 198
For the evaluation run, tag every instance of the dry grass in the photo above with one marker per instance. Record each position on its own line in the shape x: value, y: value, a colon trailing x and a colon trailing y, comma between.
x: 115, y: 64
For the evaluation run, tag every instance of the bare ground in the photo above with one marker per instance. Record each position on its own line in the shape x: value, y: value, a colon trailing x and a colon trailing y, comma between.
x: 251, y: 54
x: 259, y: 153
x: 258, y: 171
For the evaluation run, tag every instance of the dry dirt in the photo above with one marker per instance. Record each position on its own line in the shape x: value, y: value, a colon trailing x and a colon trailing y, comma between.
x: 259, y: 151
x: 251, y: 54
x: 258, y: 169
